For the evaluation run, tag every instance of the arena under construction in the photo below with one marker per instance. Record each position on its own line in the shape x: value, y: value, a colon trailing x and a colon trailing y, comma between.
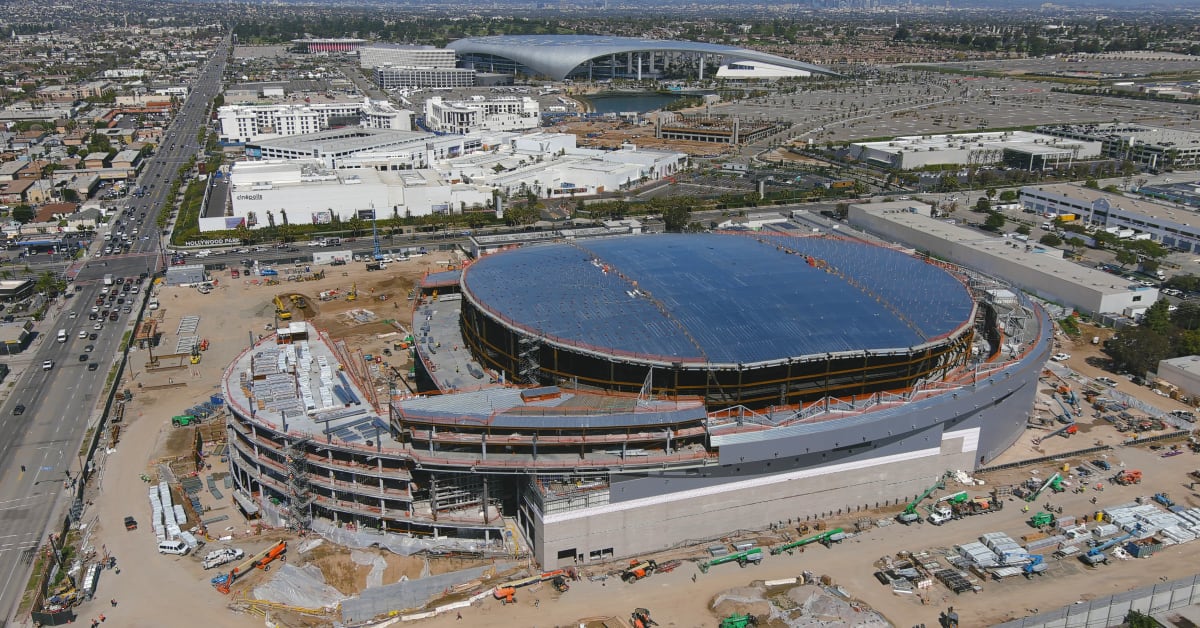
x: 614, y: 396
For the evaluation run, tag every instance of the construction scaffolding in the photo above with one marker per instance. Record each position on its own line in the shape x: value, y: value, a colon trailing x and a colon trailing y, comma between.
x: 300, y: 497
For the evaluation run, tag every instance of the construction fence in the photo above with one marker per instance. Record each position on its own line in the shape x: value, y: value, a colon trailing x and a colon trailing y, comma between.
x: 1111, y: 611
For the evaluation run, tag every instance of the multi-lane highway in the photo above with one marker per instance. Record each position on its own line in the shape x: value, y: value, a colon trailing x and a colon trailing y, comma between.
x: 44, y: 419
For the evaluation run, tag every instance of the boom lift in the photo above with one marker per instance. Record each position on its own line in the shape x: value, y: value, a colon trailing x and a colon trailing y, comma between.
x: 752, y: 555
x: 1096, y: 555
x: 909, y: 515
x: 261, y: 560
x: 1037, y: 565
x: 1054, y: 484
x: 507, y: 592
x: 1066, y: 431
x: 826, y: 538
x: 739, y: 621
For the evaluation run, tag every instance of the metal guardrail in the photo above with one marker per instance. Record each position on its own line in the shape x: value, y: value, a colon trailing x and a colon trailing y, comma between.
x: 1029, y: 461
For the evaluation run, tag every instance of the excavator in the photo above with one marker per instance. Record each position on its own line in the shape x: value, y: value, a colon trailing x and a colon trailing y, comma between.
x: 353, y: 294
x: 281, y: 309
x: 640, y: 618
x: 261, y: 560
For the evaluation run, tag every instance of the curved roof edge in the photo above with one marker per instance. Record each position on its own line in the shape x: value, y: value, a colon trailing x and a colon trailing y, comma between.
x: 557, y: 55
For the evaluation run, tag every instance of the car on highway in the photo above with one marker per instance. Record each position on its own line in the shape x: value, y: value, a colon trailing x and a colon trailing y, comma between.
x: 19, y: 410
x: 98, y: 326
x: 83, y: 357
x: 92, y: 336
x: 93, y: 366
x: 89, y: 348
x: 47, y: 365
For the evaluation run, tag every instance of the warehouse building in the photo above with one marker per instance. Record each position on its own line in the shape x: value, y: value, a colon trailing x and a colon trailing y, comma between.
x: 1018, y: 149
x: 1134, y: 217
x: 1036, y: 269
x: 1182, y: 373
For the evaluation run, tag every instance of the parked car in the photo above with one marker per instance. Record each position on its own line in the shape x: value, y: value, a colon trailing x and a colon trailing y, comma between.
x: 1061, y: 357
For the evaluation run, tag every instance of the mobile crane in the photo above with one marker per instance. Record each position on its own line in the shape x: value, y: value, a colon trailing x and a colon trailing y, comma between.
x: 910, y: 515
x: 826, y: 538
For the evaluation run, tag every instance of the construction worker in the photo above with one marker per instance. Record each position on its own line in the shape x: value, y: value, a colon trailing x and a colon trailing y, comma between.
x: 1025, y: 508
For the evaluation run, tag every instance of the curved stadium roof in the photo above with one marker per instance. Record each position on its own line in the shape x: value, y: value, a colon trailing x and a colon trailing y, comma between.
x: 556, y: 55
x: 721, y: 299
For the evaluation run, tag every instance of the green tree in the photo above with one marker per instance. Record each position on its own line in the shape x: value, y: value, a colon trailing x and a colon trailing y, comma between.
x: 983, y: 205
x: 1050, y: 240
x: 1138, y: 620
x: 990, y: 193
x: 676, y: 217
x: 1024, y: 230
x: 1126, y: 257
x: 22, y: 213
x: 995, y: 221
x: 1091, y: 183
x: 1139, y: 349
x: 1008, y: 196
x: 1187, y: 317
x: 1158, y: 317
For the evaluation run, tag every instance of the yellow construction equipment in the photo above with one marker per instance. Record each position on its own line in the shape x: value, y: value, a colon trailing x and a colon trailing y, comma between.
x: 281, y: 310
x: 353, y: 294
x: 195, y: 353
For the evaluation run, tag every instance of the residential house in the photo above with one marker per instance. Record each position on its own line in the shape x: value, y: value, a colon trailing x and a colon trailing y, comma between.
x: 95, y: 160
x: 13, y: 192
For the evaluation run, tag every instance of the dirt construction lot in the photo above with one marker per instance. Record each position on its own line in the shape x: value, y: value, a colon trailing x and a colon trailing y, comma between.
x: 156, y: 590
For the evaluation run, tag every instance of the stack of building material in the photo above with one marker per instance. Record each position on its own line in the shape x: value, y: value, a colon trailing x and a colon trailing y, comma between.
x: 156, y: 518
x: 180, y: 516
x: 1007, y: 550
x: 1050, y: 541
x: 170, y: 523
x: 1105, y: 530
x: 978, y: 554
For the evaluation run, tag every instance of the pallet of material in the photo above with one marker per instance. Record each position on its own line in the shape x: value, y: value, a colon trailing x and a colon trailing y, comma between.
x: 953, y: 580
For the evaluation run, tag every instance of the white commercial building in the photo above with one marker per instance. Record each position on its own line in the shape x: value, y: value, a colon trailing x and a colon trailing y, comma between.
x: 1153, y: 147
x: 1036, y: 269
x: 1182, y: 373
x: 1168, y: 224
x: 306, y: 192
x: 356, y: 147
x: 377, y: 55
x: 758, y: 70
x: 248, y: 123
x: 482, y: 114
x: 1029, y: 151
x: 390, y: 77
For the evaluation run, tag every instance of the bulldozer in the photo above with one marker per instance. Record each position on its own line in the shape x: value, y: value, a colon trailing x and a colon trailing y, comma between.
x: 640, y: 618
x: 560, y: 584
x: 638, y: 570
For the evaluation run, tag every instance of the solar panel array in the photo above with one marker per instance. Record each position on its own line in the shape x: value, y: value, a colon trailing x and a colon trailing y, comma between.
x: 721, y: 298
